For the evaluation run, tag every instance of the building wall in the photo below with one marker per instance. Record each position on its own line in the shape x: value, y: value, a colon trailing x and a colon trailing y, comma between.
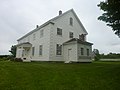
x: 45, y: 41
x: 50, y: 39
x: 84, y: 57
x: 70, y: 48
x: 63, y: 23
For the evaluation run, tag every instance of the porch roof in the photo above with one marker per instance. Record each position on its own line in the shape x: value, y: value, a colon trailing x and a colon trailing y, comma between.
x: 26, y: 44
x: 77, y: 41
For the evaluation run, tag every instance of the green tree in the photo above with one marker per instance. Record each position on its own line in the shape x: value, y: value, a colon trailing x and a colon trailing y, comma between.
x: 13, y: 50
x: 97, y: 55
x: 111, y: 14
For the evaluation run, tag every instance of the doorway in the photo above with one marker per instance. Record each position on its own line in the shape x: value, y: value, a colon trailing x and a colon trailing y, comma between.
x: 69, y: 55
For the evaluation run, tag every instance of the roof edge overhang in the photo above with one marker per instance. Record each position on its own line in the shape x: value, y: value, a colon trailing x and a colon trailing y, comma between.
x: 25, y: 43
x: 77, y: 41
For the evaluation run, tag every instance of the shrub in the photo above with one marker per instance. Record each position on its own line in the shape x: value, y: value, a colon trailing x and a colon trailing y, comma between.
x: 4, y: 57
x: 11, y: 58
x: 97, y: 57
x: 18, y: 60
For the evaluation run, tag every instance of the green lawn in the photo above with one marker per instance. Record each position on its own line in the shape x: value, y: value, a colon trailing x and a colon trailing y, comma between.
x: 59, y: 76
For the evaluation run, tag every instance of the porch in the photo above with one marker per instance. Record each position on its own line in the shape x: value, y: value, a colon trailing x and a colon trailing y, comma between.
x: 23, y: 51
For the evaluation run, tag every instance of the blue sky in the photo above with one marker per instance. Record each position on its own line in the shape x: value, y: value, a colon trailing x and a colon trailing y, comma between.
x: 18, y: 17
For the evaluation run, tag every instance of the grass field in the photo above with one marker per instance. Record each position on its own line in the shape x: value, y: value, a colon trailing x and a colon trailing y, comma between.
x: 59, y: 76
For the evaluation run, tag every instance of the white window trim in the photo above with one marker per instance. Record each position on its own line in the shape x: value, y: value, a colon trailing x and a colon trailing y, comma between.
x: 60, y: 50
x: 40, y: 48
x: 59, y: 32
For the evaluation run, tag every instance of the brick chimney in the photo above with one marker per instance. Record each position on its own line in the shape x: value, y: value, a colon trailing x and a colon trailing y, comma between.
x: 60, y: 12
x: 37, y: 26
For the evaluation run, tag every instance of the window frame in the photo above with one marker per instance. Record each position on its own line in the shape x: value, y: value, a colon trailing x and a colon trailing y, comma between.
x: 58, y: 49
x: 88, y: 52
x: 71, y: 35
x: 82, y: 51
x: 82, y: 37
x: 33, y: 51
x: 71, y: 21
x: 40, y: 50
x: 59, y: 31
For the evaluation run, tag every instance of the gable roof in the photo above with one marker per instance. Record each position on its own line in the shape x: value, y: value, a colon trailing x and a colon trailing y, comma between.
x: 51, y: 21
x: 77, y: 41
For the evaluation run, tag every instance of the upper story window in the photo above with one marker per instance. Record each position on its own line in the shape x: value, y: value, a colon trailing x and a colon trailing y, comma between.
x: 82, y: 37
x: 58, y: 49
x: 82, y: 51
x: 41, y: 33
x: 34, y: 36
x: 59, y: 31
x: 71, y: 21
x: 70, y: 34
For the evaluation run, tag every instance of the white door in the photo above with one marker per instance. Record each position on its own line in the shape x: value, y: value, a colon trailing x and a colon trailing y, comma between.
x: 69, y: 54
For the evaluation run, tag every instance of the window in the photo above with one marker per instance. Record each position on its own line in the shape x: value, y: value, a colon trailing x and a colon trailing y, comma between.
x: 82, y: 51
x: 40, y: 49
x: 41, y: 33
x: 87, y: 52
x: 33, y: 51
x: 34, y: 36
x: 82, y: 37
x: 71, y: 34
x: 71, y: 21
x: 59, y: 31
x: 23, y: 53
x: 58, y: 49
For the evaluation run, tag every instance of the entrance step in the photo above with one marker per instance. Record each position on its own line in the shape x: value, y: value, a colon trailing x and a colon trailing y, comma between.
x: 26, y: 61
x: 67, y: 62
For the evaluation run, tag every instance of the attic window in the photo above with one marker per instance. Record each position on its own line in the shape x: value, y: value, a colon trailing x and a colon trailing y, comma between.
x: 71, y: 21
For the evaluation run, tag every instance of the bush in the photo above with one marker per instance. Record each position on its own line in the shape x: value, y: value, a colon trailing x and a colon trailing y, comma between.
x: 97, y: 57
x: 18, y: 60
x: 4, y: 57
x: 11, y: 58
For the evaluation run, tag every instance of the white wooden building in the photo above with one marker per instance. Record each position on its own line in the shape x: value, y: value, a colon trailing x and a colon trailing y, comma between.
x: 62, y: 38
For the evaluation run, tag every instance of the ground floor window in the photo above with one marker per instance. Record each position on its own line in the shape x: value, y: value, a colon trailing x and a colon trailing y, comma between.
x: 33, y: 51
x: 87, y: 52
x: 58, y: 49
x: 40, y: 49
x: 82, y: 51
x: 23, y: 51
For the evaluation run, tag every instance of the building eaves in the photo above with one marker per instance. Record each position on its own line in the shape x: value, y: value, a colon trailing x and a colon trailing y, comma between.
x: 77, y: 41
x: 24, y: 43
